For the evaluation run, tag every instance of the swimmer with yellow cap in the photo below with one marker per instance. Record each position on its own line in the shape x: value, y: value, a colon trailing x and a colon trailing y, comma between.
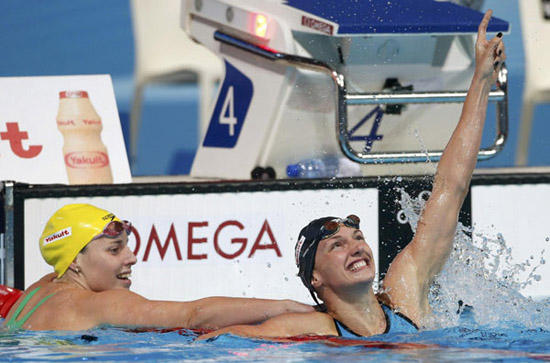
x: 70, y: 230
x: 88, y: 249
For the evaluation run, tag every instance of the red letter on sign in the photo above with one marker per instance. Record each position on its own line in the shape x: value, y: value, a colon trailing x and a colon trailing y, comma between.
x: 258, y: 246
x: 191, y: 240
x: 162, y: 249
x: 242, y: 241
x: 14, y: 136
x: 137, y: 238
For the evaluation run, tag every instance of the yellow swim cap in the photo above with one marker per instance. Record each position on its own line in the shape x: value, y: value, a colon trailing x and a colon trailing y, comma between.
x: 68, y: 231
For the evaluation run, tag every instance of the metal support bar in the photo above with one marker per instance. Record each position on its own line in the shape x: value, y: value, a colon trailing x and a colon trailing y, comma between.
x: 500, y: 96
x: 8, y: 266
x: 417, y: 97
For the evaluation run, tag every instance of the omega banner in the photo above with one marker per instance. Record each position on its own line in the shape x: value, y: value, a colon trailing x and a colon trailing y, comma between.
x: 237, y: 238
x: 62, y: 129
x: 189, y: 246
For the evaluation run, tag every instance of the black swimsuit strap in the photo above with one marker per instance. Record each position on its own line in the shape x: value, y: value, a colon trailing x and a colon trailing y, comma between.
x: 404, y: 317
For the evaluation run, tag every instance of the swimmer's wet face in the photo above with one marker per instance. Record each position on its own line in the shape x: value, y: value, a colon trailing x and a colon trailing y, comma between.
x: 106, y: 263
x: 308, y: 242
x: 343, y: 260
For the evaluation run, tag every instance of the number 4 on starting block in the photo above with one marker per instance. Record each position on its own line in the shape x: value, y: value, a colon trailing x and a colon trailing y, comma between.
x: 230, y: 111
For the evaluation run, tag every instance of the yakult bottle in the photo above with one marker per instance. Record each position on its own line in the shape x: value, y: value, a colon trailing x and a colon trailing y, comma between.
x: 85, y: 155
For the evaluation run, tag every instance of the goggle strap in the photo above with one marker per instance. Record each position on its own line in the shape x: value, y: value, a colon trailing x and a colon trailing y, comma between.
x: 315, y: 298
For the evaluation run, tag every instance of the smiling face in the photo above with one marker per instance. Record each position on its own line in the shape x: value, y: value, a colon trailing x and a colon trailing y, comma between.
x: 343, y: 260
x: 107, y: 263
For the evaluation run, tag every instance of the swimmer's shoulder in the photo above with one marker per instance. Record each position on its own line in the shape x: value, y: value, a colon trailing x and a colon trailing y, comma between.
x: 73, y: 308
x: 46, y: 305
x: 34, y: 293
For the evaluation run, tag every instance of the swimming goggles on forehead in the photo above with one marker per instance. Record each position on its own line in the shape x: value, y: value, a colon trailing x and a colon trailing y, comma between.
x: 330, y: 228
x: 114, y: 229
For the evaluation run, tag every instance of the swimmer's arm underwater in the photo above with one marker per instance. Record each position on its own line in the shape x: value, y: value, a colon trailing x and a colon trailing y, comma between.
x: 415, y: 268
x: 125, y: 308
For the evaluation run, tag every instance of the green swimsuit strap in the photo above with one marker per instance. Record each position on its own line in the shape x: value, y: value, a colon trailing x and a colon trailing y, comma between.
x: 17, y: 324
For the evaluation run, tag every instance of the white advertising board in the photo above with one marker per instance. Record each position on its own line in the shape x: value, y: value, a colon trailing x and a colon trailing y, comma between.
x: 519, y: 213
x: 215, y: 244
x: 31, y: 145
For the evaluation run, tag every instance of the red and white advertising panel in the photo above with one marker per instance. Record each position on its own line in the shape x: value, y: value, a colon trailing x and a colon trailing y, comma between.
x: 190, y: 246
x: 62, y: 129
x: 518, y: 215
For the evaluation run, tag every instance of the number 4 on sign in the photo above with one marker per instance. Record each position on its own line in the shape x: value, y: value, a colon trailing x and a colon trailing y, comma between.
x: 227, y: 116
x: 230, y: 110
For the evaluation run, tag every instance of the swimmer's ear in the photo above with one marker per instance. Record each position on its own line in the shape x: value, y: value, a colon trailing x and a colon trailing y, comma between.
x: 316, y: 281
x: 74, y: 267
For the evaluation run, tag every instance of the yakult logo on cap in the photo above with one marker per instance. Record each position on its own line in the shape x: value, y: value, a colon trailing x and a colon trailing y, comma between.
x: 67, y: 232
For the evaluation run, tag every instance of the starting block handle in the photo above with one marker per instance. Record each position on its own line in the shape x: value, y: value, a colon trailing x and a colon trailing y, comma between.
x: 343, y: 100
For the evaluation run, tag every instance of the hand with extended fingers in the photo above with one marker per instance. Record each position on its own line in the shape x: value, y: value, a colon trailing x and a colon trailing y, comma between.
x: 490, y: 54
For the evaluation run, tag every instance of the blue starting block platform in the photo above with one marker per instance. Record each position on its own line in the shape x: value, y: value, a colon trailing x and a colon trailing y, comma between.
x: 398, y: 16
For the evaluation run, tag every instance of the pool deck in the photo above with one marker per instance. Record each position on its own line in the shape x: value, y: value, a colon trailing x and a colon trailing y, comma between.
x: 480, y: 171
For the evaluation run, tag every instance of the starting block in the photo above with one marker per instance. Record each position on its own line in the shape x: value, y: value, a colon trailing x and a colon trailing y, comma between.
x: 307, y: 79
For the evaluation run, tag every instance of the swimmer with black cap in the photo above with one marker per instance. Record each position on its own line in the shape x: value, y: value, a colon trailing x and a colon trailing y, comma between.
x: 336, y: 264
x: 88, y: 249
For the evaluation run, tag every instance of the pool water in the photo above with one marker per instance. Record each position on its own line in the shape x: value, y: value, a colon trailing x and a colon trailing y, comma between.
x: 479, y: 315
x: 499, y: 343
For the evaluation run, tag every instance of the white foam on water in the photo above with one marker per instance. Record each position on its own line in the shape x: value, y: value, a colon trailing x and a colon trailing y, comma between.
x: 484, y: 277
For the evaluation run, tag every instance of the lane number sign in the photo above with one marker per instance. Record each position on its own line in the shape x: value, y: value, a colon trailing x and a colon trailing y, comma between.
x: 230, y: 111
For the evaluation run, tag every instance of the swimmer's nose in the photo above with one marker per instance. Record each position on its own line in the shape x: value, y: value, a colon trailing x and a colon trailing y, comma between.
x: 132, y: 259
x: 357, y: 247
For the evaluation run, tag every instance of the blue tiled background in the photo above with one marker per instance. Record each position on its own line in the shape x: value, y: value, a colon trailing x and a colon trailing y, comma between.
x: 68, y: 37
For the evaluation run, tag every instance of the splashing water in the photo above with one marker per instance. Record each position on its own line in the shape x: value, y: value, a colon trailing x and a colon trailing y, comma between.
x: 482, y: 277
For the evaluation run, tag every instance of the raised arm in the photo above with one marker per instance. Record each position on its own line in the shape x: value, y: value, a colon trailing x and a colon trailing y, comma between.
x: 124, y: 308
x: 414, y: 269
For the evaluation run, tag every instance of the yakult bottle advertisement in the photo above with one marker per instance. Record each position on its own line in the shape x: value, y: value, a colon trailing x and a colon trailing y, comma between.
x: 62, y: 129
